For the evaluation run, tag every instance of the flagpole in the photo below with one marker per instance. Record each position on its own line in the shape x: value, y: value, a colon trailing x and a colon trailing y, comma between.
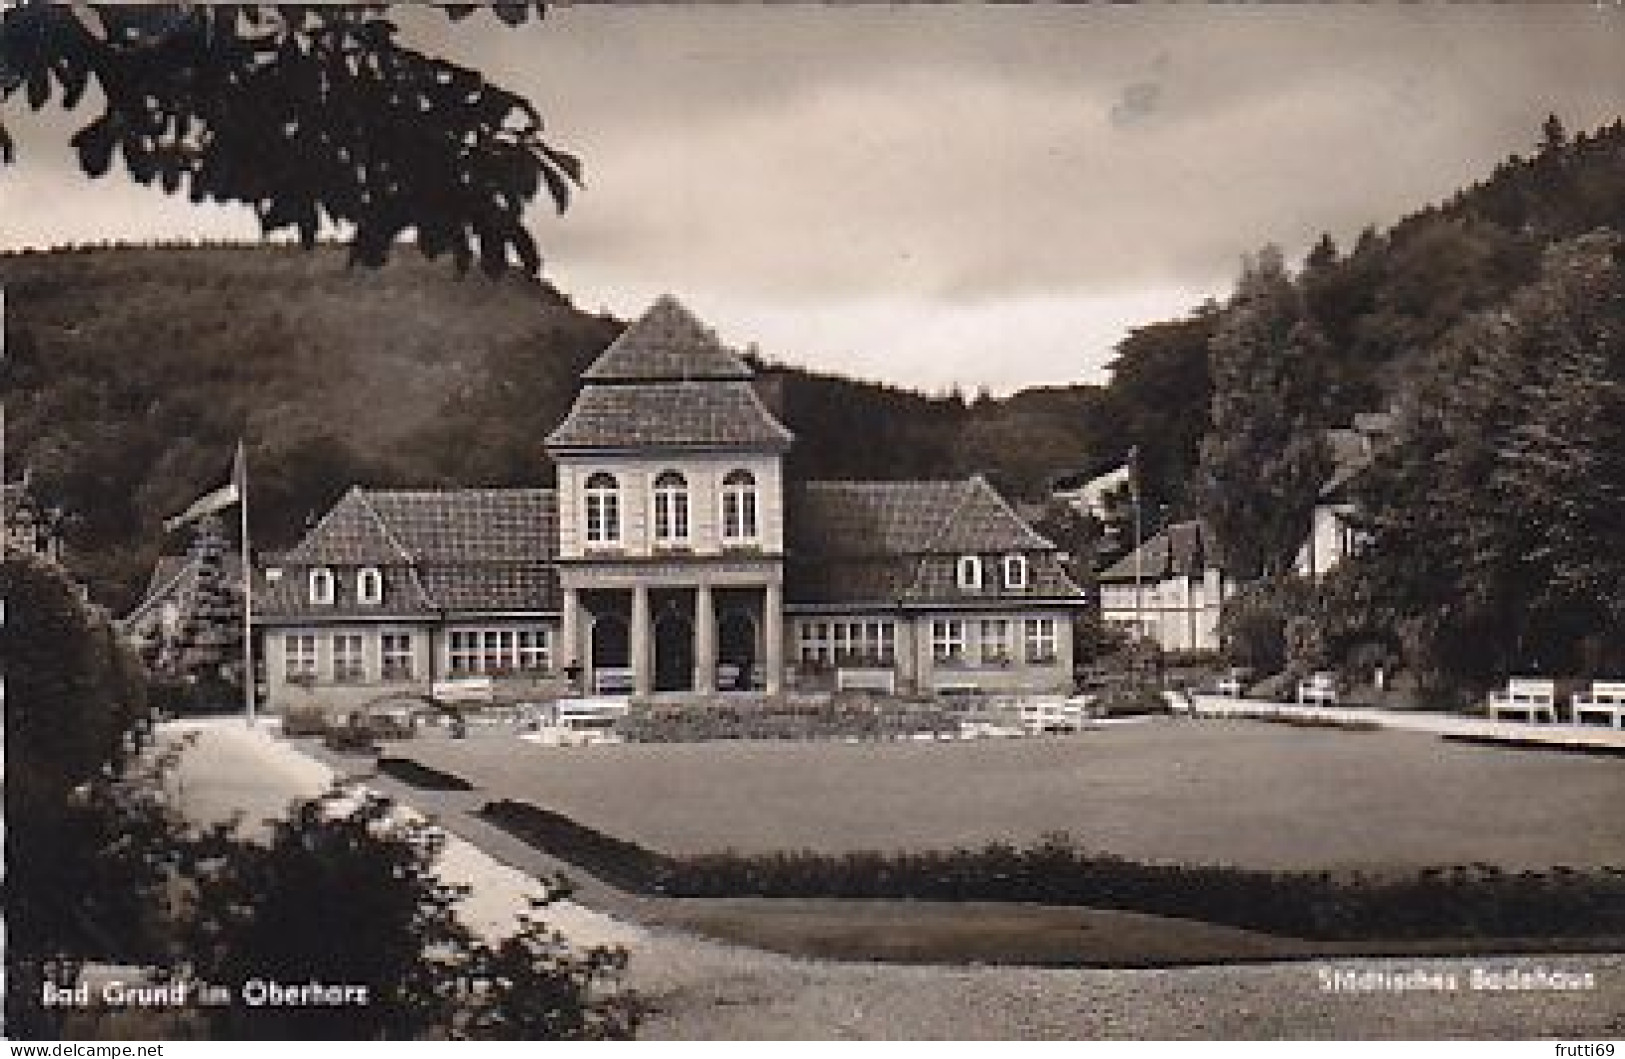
x: 241, y: 473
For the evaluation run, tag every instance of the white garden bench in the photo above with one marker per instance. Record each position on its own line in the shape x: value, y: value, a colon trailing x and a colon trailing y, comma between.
x: 1532, y: 699
x: 1319, y: 690
x: 1606, y: 700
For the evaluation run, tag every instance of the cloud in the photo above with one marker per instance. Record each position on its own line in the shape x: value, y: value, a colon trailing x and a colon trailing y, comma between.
x: 900, y: 179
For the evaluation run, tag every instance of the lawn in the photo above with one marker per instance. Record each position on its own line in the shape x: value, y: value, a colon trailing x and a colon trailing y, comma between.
x: 1214, y: 792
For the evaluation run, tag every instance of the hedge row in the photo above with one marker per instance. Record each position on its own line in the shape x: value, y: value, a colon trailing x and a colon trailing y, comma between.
x: 1478, y: 900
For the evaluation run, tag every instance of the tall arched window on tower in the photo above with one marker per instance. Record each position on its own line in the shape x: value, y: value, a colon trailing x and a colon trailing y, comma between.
x: 739, y: 521
x: 671, y: 508
x: 603, y: 508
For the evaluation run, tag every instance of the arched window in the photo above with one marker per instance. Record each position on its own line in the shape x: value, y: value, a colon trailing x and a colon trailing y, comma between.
x: 671, y: 508
x: 970, y: 572
x: 1015, y: 571
x: 321, y: 586
x: 603, y: 509
x: 369, y: 587
x: 739, y: 520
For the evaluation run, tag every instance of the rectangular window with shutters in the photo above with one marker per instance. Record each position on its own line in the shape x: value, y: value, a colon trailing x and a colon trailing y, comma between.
x: 299, y: 657
x: 948, y: 641
x: 1041, y: 640
x: 349, y: 663
x: 397, y: 656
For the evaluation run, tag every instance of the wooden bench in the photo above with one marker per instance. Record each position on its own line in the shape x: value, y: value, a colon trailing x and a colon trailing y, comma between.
x: 1319, y: 690
x: 1605, y: 699
x: 1533, y: 699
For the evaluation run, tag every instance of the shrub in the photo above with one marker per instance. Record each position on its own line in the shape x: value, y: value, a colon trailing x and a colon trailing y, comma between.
x: 304, y: 721
x: 346, y: 892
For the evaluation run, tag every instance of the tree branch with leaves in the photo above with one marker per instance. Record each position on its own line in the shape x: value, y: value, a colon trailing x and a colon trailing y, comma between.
x: 313, y: 115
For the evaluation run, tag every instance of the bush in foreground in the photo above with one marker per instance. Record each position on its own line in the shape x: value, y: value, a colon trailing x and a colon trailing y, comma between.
x: 345, y: 893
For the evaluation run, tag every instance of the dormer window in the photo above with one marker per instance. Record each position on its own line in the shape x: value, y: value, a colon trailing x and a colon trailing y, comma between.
x: 321, y: 587
x: 970, y: 572
x: 671, y: 508
x: 1015, y: 571
x: 369, y: 587
x: 739, y: 525
x: 603, y: 509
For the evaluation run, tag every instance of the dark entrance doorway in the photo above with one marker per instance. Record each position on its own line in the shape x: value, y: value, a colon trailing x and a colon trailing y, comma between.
x: 674, y: 652
x: 611, y: 642
x: 736, y: 651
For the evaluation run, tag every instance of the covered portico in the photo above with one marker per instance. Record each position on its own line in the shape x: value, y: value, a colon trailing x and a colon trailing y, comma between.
x: 689, y: 627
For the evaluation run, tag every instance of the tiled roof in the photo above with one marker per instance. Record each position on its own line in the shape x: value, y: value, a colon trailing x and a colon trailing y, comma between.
x: 438, y: 550
x: 667, y: 344
x: 289, y: 596
x: 871, y: 542
x: 167, y: 579
x: 484, y: 525
x: 906, y: 518
x: 709, y: 414
x: 368, y: 527
x: 1180, y: 550
x: 493, y: 586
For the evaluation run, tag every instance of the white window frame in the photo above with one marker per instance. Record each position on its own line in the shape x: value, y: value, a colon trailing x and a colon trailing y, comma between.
x: 995, y: 648
x: 741, y: 510
x: 349, y: 658
x: 815, y: 643
x: 299, y: 656
x: 1015, y: 571
x: 463, y: 652
x: 671, y: 513
x: 369, y: 587
x: 948, y: 641
x: 601, y: 507
x: 968, y: 573
x: 1041, y: 641
x: 397, y: 653
x: 321, y: 584
x: 485, y: 651
x: 534, y: 653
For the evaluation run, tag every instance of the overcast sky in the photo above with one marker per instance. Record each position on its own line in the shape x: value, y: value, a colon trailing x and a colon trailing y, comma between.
x: 972, y: 195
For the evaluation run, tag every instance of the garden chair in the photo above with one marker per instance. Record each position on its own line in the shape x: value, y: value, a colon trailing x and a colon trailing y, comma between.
x: 1531, y: 698
x: 1319, y: 690
x: 1605, y: 700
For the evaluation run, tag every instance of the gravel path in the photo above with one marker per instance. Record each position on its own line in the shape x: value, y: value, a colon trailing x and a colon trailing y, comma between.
x: 705, y: 990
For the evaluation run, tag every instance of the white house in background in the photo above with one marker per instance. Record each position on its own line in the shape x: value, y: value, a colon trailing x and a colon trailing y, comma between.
x: 1332, y: 536
x: 1180, y: 590
x: 1087, y: 495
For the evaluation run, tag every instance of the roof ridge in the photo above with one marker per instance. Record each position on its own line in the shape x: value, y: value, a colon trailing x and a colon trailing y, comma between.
x: 385, y: 528
x: 929, y: 548
x: 999, y: 499
x: 338, y: 505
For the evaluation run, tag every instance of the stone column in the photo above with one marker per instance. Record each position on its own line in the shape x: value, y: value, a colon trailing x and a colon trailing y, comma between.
x: 705, y: 640
x: 569, y: 653
x: 773, y: 623
x: 641, y: 643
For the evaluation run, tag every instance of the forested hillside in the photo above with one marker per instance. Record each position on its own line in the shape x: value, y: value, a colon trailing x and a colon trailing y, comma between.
x: 133, y: 370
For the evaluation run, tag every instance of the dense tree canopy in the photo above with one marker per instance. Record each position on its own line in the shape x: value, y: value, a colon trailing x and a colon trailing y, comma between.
x: 1263, y: 461
x: 1496, y: 543
x: 314, y: 115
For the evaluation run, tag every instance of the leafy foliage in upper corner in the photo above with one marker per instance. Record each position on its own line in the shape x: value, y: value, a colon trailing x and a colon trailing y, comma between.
x: 308, y: 113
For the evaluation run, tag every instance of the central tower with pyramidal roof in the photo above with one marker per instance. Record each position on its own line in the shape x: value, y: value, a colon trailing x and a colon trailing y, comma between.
x: 671, y: 516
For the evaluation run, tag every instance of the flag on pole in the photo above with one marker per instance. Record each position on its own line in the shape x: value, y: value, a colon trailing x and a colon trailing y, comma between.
x: 214, y: 501
x: 1133, y: 468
